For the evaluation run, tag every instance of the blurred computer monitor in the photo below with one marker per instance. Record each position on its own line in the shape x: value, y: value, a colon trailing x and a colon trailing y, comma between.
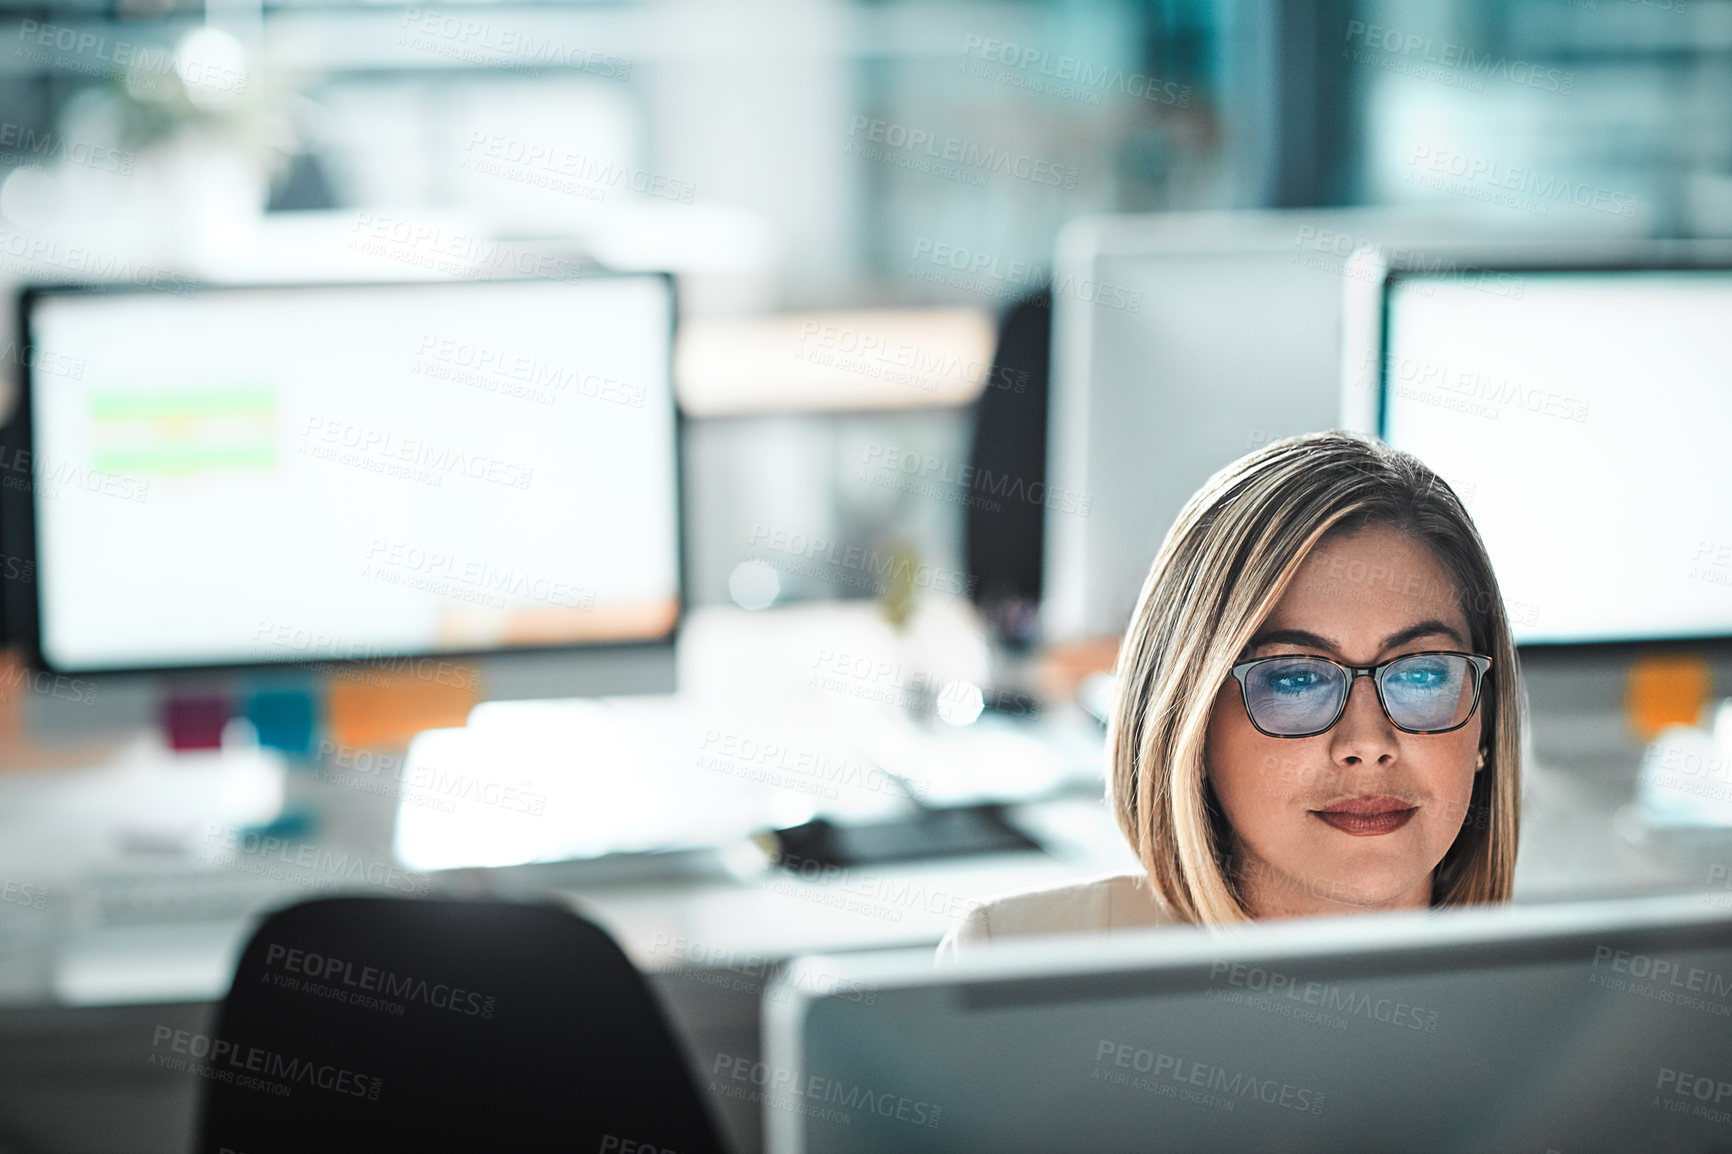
x: 1583, y: 412
x: 1599, y: 1026
x: 237, y: 476
x: 1182, y: 341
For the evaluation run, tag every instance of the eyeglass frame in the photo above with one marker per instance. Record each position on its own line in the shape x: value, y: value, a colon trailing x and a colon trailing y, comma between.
x: 1480, y: 663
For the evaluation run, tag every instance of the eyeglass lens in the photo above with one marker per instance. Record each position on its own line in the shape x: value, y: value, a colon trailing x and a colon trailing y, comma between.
x: 1296, y: 695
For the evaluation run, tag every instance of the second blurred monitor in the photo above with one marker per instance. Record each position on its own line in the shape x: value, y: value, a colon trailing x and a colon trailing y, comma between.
x: 1182, y: 342
x: 319, y: 472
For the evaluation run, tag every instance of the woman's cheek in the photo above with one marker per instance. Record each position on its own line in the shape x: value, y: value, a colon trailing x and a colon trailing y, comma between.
x: 1450, y: 775
x: 1297, y: 771
x: 1231, y: 748
x: 1257, y: 794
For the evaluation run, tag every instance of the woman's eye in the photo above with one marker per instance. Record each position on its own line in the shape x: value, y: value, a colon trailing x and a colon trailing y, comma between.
x: 1293, y: 680
x: 1419, y: 678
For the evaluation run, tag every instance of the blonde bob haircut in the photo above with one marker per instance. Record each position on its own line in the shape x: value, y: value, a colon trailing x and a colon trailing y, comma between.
x: 1223, y: 567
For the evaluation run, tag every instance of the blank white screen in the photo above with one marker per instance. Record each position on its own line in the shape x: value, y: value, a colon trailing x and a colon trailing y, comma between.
x: 285, y: 474
x: 1586, y: 423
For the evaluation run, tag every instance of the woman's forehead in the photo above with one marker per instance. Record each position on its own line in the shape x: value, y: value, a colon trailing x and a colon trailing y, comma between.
x: 1365, y: 587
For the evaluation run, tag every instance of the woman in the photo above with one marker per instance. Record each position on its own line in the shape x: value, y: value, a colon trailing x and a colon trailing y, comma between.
x: 1253, y: 769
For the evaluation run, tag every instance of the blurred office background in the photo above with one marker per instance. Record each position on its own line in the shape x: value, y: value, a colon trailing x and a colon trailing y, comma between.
x: 759, y: 141
x: 878, y: 214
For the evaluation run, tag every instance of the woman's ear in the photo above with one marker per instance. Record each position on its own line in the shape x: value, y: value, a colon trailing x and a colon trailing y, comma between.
x: 1479, y: 763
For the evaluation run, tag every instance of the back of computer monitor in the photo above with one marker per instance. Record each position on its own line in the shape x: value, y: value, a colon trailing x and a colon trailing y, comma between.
x: 1183, y: 341
x: 1588, y: 1027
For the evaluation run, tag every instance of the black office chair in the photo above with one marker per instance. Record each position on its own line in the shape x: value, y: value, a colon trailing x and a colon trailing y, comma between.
x: 379, y: 1024
x: 1003, y: 540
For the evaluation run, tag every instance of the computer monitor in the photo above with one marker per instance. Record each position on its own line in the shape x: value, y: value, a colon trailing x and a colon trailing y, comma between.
x: 1582, y: 414
x: 1598, y: 1026
x: 1182, y: 341
x: 235, y: 476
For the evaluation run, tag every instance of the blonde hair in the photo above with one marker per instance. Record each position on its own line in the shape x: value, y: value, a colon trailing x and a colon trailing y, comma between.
x: 1222, y: 568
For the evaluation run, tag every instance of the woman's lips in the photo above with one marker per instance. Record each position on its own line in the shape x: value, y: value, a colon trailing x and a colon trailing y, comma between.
x: 1367, y: 816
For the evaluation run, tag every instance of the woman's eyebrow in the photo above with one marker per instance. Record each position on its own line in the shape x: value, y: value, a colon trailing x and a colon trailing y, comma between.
x: 1315, y: 641
x: 1293, y: 637
x: 1424, y: 629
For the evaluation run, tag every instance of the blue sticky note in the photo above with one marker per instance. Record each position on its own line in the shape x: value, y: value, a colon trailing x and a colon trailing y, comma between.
x: 285, y: 719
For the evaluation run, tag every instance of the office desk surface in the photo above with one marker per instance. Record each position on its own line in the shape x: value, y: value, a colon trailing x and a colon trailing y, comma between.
x: 134, y: 881
x: 165, y: 935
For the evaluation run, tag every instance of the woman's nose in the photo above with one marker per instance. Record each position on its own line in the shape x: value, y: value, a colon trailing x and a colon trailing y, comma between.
x: 1364, y: 732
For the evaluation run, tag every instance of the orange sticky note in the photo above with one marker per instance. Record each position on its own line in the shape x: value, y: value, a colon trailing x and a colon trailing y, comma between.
x: 370, y: 707
x: 1665, y: 690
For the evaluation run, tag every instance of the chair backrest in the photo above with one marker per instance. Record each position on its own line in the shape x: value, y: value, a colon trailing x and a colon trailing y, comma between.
x: 1003, y: 538
x: 382, y: 1024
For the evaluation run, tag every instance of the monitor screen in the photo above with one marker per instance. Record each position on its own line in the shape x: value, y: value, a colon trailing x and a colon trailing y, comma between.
x: 1582, y: 416
x: 291, y: 474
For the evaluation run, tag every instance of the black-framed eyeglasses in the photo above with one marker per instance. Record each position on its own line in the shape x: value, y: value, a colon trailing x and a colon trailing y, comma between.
x: 1302, y: 695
